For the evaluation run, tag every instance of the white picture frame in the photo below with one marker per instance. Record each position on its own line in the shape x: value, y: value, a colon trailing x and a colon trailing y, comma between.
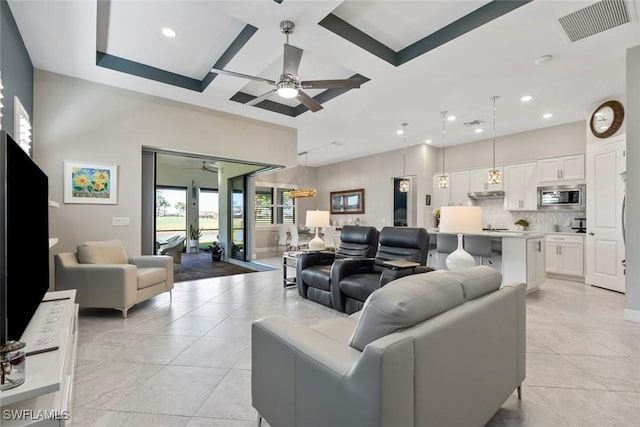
x: 92, y: 183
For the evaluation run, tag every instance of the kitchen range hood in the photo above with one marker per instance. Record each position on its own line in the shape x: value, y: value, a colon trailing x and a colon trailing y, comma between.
x: 484, y: 195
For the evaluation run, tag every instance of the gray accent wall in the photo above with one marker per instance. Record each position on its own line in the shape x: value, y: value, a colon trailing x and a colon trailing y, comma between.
x: 17, y: 70
x: 632, y: 297
x: 83, y: 121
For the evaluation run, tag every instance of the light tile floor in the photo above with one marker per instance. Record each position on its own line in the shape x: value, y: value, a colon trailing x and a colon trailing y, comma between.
x: 188, y: 363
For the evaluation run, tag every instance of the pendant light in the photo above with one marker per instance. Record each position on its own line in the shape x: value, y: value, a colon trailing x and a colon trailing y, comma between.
x: 494, y: 174
x: 404, y: 182
x: 304, y: 192
x: 444, y: 179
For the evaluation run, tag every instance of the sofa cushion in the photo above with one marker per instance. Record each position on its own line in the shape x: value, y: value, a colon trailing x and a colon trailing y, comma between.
x: 404, y: 303
x: 478, y: 281
x: 102, y: 252
x: 149, y: 276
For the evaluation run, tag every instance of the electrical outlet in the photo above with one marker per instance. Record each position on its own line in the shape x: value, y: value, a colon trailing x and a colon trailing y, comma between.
x: 120, y: 220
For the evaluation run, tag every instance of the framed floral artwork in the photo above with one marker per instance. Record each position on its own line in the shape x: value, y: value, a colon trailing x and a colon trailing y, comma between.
x: 90, y: 183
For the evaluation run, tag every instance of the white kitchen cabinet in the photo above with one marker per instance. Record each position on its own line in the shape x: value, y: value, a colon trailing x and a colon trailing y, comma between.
x: 523, y: 260
x: 441, y: 196
x: 565, y: 255
x: 521, y: 187
x: 558, y: 169
x: 479, y: 180
x: 459, y: 183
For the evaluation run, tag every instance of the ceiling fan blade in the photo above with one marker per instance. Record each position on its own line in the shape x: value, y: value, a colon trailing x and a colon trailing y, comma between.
x: 244, y: 76
x: 292, y: 56
x: 261, y: 97
x: 332, y: 84
x: 308, y: 102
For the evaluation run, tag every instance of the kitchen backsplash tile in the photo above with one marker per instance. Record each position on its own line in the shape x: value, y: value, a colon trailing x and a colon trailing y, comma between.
x: 493, y: 214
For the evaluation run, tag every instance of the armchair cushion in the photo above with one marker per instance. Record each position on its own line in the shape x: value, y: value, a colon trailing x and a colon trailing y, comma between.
x: 151, y: 276
x: 360, y: 286
x: 405, y: 303
x: 103, y: 252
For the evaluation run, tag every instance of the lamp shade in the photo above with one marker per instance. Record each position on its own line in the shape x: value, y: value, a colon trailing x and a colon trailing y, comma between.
x: 460, y: 219
x: 317, y: 219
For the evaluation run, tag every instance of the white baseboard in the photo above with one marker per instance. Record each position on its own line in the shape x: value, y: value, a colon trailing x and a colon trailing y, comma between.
x: 632, y: 315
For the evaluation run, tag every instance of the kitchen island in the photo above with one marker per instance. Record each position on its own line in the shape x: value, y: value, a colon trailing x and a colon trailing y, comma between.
x: 519, y: 256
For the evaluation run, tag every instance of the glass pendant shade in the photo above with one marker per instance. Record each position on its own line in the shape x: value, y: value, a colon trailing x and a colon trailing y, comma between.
x: 494, y: 174
x: 403, y: 186
x: 443, y: 181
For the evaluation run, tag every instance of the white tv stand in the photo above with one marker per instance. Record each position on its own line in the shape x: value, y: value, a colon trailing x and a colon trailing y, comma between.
x: 45, y: 398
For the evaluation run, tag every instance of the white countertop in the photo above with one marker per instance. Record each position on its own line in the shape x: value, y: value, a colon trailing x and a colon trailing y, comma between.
x: 502, y: 234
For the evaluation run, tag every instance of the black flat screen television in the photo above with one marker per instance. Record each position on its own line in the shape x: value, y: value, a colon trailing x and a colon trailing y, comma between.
x: 24, y: 238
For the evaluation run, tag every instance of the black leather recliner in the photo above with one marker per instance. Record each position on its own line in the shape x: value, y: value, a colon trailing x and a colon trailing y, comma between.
x: 313, y: 270
x: 352, y: 281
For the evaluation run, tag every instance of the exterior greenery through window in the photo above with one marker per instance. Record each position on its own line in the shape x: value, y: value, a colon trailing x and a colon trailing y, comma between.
x: 274, y: 206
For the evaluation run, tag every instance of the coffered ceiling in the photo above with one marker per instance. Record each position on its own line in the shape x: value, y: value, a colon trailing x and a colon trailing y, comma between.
x: 415, y: 59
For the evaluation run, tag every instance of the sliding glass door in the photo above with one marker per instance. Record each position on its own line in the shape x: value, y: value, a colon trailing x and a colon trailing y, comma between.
x: 237, y: 206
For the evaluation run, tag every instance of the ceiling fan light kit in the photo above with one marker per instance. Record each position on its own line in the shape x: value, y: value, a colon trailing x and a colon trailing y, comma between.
x: 443, y: 181
x: 403, y: 186
x: 288, y: 85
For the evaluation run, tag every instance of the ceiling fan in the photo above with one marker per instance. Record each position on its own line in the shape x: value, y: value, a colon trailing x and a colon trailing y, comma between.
x: 289, y: 84
x: 206, y: 168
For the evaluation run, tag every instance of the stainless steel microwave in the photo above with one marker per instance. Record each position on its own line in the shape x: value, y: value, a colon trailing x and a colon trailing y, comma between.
x: 562, y: 197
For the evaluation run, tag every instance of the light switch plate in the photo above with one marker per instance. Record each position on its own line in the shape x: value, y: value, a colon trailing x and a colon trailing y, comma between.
x: 120, y: 220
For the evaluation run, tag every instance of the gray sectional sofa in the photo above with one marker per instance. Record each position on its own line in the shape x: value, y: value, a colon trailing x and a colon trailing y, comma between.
x: 434, y: 349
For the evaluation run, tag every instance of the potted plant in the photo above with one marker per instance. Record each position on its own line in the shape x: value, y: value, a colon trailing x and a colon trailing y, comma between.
x: 436, y: 215
x: 216, y: 251
x: 194, y: 236
x: 522, y: 224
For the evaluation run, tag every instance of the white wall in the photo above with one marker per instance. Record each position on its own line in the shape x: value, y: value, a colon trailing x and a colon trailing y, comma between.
x: 632, y: 297
x: 78, y: 120
x: 519, y: 147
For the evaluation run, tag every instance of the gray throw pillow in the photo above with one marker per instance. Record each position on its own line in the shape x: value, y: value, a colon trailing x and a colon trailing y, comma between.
x: 404, y: 303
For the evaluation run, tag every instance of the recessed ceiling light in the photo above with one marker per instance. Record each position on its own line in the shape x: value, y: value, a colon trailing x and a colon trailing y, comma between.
x: 526, y: 98
x: 399, y: 131
x: 479, y: 130
x: 451, y: 118
x: 428, y: 141
x: 547, y: 116
x: 543, y: 59
x: 168, y: 32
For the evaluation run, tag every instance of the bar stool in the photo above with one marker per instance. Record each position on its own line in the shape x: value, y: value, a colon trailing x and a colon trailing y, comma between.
x: 478, y: 246
x: 446, y: 243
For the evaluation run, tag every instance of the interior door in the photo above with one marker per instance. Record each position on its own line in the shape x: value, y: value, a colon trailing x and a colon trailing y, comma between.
x: 237, y: 238
x: 604, y: 247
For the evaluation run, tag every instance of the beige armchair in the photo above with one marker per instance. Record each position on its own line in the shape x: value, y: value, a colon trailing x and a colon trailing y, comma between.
x: 105, y: 277
x: 174, y: 249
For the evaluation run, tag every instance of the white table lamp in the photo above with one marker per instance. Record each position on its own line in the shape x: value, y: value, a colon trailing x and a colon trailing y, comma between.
x: 460, y: 219
x: 317, y: 219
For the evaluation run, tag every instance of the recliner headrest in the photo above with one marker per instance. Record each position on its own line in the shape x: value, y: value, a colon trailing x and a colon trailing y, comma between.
x: 359, y: 234
x: 405, y: 237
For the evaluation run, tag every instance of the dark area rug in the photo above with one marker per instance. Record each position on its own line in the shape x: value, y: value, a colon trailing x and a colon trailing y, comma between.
x: 199, y: 266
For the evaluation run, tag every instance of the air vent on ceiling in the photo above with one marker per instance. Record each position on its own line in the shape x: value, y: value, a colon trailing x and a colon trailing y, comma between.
x: 596, y: 18
x: 473, y: 123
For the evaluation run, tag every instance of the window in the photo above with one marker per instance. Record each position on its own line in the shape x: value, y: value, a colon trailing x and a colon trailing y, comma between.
x: 282, y: 211
x: 208, y: 214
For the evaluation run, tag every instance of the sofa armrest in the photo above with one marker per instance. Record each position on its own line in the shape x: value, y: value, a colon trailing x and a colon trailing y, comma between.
x: 390, y: 274
x: 342, y: 268
x: 277, y: 343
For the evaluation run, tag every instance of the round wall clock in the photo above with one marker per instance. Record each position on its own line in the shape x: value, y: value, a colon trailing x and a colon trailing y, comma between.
x: 607, y: 119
